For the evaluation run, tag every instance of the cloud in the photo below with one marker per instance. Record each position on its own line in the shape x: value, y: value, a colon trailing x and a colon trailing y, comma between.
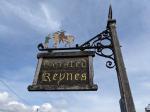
x: 4, y: 97
x: 10, y: 105
x: 46, y: 107
x: 17, y: 106
x: 40, y: 18
x: 51, y: 23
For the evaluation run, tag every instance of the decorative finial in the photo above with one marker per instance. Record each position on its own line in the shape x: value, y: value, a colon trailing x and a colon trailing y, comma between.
x: 110, y: 13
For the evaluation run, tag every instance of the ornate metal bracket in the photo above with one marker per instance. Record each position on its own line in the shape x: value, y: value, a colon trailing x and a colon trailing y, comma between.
x: 101, y: 43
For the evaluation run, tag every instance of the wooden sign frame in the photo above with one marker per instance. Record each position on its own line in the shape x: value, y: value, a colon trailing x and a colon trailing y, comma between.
x: 66, y: 66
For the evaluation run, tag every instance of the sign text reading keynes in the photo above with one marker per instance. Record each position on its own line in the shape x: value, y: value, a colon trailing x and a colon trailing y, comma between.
x: 64, y: 71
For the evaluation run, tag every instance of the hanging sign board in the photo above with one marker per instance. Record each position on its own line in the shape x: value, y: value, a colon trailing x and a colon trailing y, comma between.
x: 64, y: 71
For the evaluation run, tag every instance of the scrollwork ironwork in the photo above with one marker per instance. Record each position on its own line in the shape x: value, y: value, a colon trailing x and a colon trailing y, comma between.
x: 96, y: 43
x: 110, y: 64
x: 40, y: 46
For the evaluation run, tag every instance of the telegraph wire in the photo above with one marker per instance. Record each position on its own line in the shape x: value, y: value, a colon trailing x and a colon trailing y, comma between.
x: 11, y: 90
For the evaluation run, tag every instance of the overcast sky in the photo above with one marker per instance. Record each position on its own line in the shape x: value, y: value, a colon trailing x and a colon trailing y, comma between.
x: 25, y: 23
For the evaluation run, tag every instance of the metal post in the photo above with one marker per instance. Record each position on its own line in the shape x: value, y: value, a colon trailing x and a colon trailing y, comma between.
x: 126, y: 101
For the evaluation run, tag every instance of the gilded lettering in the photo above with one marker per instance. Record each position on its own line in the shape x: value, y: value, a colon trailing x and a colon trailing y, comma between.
x: 83, y: 64
x: 46, y: 77
x: 77, y: 76
x: 71, y: 64
x: 69, y: 76
x: 83, y: 76
x: 77, y: 64
x: 45, y: 63
x: 54, y: 76
x: 61, y: 77
x: 66, y: 64
x: 53, y: 65
x: 43, y: 77
x: 60, y: 64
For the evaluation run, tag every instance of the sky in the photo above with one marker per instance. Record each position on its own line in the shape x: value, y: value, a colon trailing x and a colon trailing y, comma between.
x: 25, y: 23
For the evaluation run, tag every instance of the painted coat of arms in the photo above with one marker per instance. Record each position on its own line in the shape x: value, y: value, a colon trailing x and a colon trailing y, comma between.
x: 58, y: 37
